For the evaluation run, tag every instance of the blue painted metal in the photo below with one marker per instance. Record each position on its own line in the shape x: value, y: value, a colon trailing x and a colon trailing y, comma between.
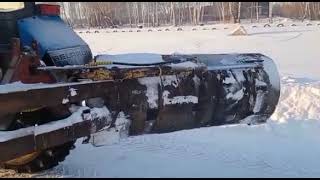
x: 52, y: 35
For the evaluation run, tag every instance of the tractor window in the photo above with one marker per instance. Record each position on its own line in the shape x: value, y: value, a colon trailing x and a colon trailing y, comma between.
x: 11, y: 6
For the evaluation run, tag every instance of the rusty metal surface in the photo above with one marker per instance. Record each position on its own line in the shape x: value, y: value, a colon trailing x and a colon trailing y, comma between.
x: 19, y: 146
x: 16, y: 147
x: 104, y: 73
x: 34, y: 98
x: 51, y: 96
x: 9, y: 59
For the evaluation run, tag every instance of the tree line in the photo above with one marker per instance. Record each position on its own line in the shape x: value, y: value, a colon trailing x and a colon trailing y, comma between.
x: 153, y: 14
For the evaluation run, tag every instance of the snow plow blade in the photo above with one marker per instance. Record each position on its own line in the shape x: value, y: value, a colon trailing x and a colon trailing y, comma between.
x: 180, y: 92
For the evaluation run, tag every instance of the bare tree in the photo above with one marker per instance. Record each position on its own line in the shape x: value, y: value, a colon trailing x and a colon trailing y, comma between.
x: 257, y: 11
x: 239, y: 12
x: 129, y: 13
x: 221, y: 6
x: 270, y: 12
x: 307, y: 12
x: 104, y: 14
x: 231, y: 17
x: 173, y: 14
x: 217, y: 9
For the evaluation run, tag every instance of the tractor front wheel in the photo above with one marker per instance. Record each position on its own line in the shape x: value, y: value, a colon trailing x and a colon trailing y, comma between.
x: 42, y: 159
x: 39, y: 161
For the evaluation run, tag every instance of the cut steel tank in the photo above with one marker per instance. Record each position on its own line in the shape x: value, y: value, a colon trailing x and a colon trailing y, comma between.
x: 234, y: 88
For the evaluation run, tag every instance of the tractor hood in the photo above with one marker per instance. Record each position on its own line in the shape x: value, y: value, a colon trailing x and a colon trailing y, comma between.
x: 58, y: 44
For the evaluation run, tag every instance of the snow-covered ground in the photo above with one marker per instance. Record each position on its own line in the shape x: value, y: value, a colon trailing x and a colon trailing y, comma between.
x: 287, y: 146
x: 294, y: 48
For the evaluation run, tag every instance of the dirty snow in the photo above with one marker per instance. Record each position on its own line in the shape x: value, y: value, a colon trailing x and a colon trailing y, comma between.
x: 236, y: 96
x: 65, y: 100
x: 152, y: 90
x: 259, y: 101
x: 229, y: 80
x: 73, y: 92
x: 112, y: 135
x: 170, y: 80
x: 178, y: 99
x: 152, y: 84
x: 287, y: 146
x: 260, y: 83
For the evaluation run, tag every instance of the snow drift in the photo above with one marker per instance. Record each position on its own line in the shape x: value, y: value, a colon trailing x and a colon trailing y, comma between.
x: 299, y: 100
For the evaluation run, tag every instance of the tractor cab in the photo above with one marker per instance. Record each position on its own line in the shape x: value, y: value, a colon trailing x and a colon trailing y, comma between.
x: 36, y: 30
x: 10, y: 13
x: 57, y: 43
